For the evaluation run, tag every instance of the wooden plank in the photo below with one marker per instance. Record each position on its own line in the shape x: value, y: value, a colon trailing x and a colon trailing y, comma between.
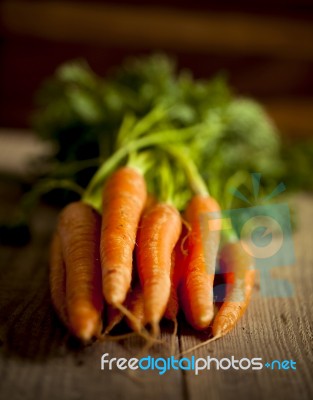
x: 160, y: 27
x: 37, y: 357
x: 273, y: 328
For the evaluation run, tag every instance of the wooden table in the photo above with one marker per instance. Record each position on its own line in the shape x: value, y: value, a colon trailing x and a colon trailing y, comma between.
x: 40, y: 361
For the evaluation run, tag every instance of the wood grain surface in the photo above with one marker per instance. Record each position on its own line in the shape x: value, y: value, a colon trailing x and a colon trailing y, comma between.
x: 39, y: 360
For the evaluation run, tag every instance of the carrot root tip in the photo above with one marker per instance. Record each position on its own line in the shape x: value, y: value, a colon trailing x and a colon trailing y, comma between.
x: 155, y: 328
x: 198, y: 346
x: 86, y: 331
x: 206, y: 319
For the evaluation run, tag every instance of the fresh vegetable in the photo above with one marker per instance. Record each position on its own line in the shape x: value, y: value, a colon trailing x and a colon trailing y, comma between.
x: 237, y: 266
x: 191, y: 145
x: 177, y: 262
x: 135, y: 304
x: 82, y: 112
x: 79, y: 230
x: 135, y: 299
x: 159, y: 231
x: 239, y: 276
x: 172, y: 308
x: 124, y: 197
x: 202, y: 245
x: 57, y: 278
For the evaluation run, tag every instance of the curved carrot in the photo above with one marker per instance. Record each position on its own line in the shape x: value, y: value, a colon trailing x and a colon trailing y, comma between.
x: 124, y: 197
x: 57, y: 278
x: 134, y: 300
x: 196, y: 291
x: 237, y: 265
x: 79, y: 229
x: 159, y: 231
x: 239, y: 278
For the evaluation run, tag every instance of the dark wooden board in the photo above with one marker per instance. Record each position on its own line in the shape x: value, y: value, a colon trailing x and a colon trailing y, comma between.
x: 40, y: 360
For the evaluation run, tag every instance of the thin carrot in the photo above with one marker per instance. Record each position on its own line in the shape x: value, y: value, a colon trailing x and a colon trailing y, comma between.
x: 134, y: 300
x: 196, y: 291
x: 177, y: 262
x: 136, y: 308
x: 79, y: 229
x: 172, y: 308
x: 135, y: 304
x: 124, y: 197
x: 237, y: 265
x: 57, y: 278
x: 159, y: 231
x: 172, y: 305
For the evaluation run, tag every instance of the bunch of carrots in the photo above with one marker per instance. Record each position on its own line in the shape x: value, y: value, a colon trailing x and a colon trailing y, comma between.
x: 146, y: 236
x: 126, y: 251
x: 152, y: 155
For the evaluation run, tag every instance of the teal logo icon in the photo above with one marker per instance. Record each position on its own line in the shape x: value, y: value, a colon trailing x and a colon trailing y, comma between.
x: 265, y: 232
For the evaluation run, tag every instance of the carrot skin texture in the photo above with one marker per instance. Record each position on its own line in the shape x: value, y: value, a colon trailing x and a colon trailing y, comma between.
x: 159, y: 231
x: 124, y: 197
x: 57, y: 278
x: 196, y: 291
x: 178, y: 259
x: 79, y: 228
x: 135, y: 304
x: 237, y: 265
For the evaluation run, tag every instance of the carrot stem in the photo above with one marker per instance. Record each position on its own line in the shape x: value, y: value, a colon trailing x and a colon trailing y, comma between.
x: 195, y: 180
x: 147, y: 122
x: 157, y: 138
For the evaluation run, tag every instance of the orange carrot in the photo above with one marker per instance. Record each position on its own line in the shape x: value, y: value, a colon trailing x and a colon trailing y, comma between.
x: 159, y: 231
x: 135, y: 304
x: 239, y: 278
x: 57, y: 278
x: 172, y: 304
x: 237, y: 265
x: 124, y: 197
x: 196, y: 291
x: 79, y: 229
x: 178, y: 259
x: 172, y: 308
